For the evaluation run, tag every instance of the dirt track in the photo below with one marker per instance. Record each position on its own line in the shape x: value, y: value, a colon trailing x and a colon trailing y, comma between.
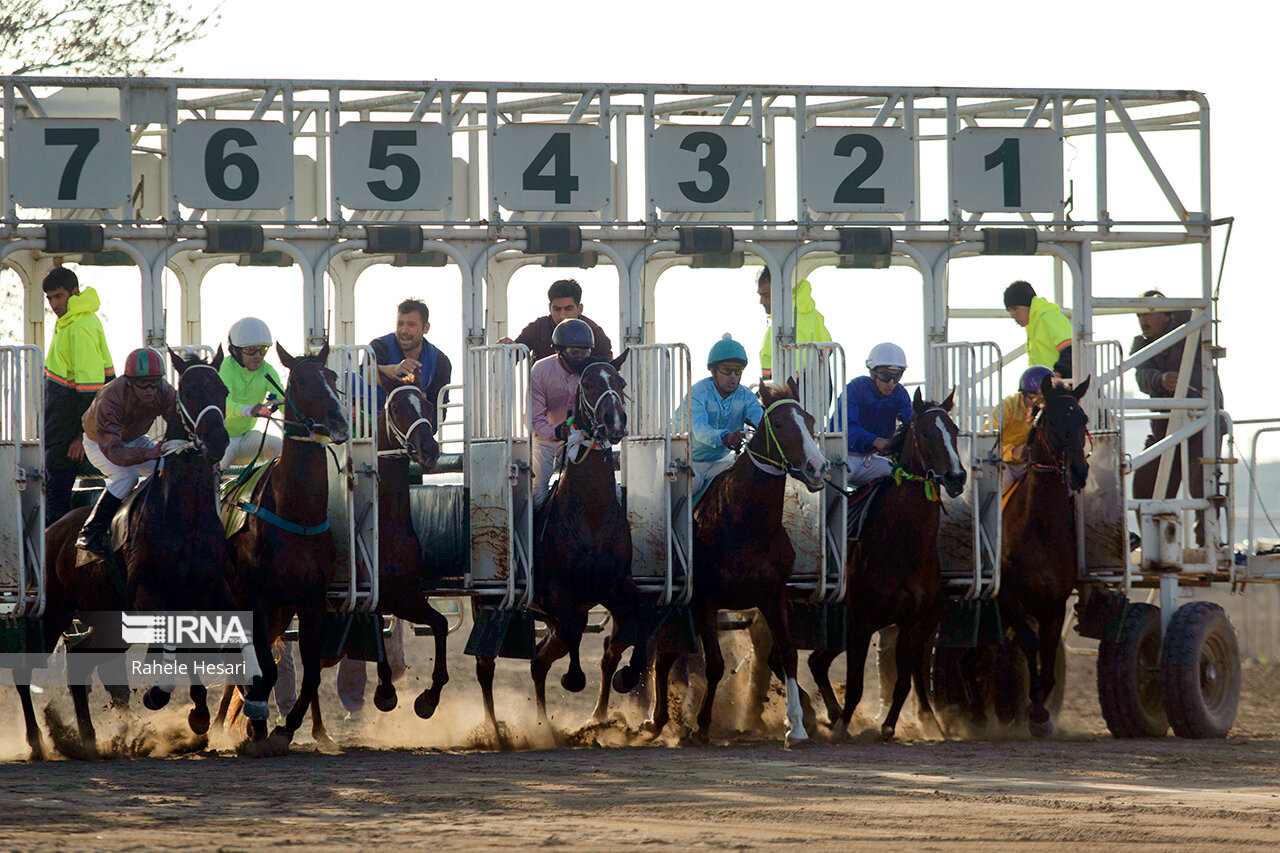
x: 744, y: 793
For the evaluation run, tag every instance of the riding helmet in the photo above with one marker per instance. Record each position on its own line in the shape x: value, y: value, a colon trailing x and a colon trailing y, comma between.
x: 249, y: 332
x: 887, y: 355
x: 572, y: 333
x: 144, y: 362
x: 726, y: 349
x: 1032, y: 377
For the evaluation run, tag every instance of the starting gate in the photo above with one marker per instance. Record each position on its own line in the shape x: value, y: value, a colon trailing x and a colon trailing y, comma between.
x: 21, y: 466
x: 353, y: 483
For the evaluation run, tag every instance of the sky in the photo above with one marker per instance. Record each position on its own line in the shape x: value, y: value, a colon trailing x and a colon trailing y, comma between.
x: 1079, y: 45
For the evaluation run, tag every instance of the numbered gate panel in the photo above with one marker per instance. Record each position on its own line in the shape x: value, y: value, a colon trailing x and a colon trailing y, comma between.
x: 648, y: 508
x: 968, y: 531
x: 243, y: 165
x: 711, y: 168
x: 69, y: 163
x: 22, y: 521
x: 550, y: 167
x: 353, y: 482
x: 1106, y: 528
x: 1015, y: 170
x: 392, y: 166
x: 857, y: 170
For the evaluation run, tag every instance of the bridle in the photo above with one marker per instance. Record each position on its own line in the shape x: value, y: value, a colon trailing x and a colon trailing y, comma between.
x: 304, y: 428
x: 394, y: 433
x: 590, y: 410
x: 765, y: 463
x: 192, y: 425
x: 1059, y: 456
x: 931, y: 479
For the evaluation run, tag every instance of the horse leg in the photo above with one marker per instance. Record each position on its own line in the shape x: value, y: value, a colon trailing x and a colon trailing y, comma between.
x: 88, y: 737
x: 713, y: 661
x: 776, y: 614
x: 258, y: 692
x: 820, y: 668
x: 224, y: 704
x: 553, y: 648
x: 310, y: 625
x: 384, y: 695
x: 608, y: 666
x: 420, y: 611
x: 906, y: 657
x: 626, y: 609
x: 484, y: 675
x: 967, y: 662
x: 661, y: 684
x: 1050, y: 635
x: 34, y: 741
x: 857, y: 643
x: 198, y: 716
x: 571, y: 628
x: 318, y: 732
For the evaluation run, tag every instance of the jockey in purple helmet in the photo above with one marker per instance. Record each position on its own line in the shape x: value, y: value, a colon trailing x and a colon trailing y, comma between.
x: 1017, y: 411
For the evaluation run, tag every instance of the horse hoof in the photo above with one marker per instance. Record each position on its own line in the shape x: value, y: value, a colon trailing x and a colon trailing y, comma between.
x: 1042, y: 729
x: 155, y: 699
x: 886, y: 733
x: 574, y: 682
x: 385, y: 700
x: 651, y: 727
x: 626, y: 679
x: 794, y: 740
x: 425, y: 705
x: 281, y: 736
x: 198, y: 719
x: 700, y: 737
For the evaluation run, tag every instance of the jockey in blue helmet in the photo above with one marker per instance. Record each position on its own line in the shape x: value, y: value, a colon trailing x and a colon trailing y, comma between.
x: 721, y: 407
x: 1017, y: 411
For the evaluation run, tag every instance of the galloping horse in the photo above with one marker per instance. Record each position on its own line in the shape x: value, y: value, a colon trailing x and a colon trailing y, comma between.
x: 582, y: 550
x: 174, y: 556
x: 1038, y: 552
x: 406, y: 433
x: 743, y: 557
x: 285, y: 555
x: 893, y: 572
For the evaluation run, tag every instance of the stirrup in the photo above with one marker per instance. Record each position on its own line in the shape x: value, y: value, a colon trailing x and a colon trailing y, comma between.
x: 93, y: 542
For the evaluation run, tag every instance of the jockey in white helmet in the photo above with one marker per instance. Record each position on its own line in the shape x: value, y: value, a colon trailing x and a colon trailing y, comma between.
x: 250, y: 381
x: 873, y: 405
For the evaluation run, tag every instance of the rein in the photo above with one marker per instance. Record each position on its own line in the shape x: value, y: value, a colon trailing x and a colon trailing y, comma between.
x: 192, y: 425
x: 599, y: 440
x: 773, y: 467
x: 303, y: 429
x: 931, y: 479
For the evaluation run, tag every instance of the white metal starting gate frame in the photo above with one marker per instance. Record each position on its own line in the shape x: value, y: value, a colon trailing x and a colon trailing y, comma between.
x: 22, y: 576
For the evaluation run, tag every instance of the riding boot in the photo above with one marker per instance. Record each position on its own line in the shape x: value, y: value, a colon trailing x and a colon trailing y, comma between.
x: 95, y: 535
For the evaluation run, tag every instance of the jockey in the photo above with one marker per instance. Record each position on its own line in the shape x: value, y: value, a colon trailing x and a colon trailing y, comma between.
x: 873, y: 405
x: 554, y: 385
x: 116, y: 441
x: 250, y: 381
x: 1017, y: 411
x: 721, y: 406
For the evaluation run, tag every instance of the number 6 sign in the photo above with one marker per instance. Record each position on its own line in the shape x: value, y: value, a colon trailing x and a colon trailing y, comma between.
x: 233, y: 164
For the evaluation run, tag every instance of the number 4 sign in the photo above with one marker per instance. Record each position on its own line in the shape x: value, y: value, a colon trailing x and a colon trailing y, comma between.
x: 1015, y: 170
x: 551, y: 166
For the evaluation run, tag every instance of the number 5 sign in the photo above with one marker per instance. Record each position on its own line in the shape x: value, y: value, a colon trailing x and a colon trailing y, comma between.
x: 69, y: 163
x: 1017, y: 170
x: 232, y: 164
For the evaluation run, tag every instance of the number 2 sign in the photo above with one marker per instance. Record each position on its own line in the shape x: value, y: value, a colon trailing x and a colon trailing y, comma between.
x: 1007, y: 169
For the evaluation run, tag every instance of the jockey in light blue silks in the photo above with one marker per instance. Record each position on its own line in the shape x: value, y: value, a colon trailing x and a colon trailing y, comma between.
x: 721, y: 407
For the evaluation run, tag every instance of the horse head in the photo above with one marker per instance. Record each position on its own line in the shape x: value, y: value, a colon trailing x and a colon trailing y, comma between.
x: 1060, y: 432
x: 312, y: 407
x: 202, y: 403
x: 931, y: 443
x: 409, y: 423
x: 602, y: 412
x: 785, y: 439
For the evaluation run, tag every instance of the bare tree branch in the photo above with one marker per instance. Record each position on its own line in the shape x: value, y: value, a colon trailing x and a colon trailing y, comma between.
x: 110, y: 37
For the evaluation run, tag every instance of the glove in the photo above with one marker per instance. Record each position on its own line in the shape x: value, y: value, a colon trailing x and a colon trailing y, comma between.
x: 261, y: 410
x: 175, y: 445
x: 562, y: 431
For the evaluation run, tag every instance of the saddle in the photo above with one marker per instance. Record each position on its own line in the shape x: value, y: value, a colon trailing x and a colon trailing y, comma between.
x: 859, y: 506
x: 240, y: 489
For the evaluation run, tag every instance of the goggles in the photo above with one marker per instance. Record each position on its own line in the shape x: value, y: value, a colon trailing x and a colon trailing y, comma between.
x: 576, y: 352
x: 887, y: 374
x: 255, y: 350
x: 729, y: 370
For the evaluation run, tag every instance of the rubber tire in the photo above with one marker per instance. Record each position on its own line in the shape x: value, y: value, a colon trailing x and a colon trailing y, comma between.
x: 1126, y: 667
x: 1201, y: 670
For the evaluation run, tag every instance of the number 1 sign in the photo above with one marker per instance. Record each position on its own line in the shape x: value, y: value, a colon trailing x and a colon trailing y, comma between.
x: 1015, y: 170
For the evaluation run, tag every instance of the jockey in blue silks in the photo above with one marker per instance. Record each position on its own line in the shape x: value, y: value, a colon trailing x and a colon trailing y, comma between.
x: 873, y: 405
x: 721, y: 407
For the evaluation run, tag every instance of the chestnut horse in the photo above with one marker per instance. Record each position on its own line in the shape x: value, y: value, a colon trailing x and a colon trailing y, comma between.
x: 1038, y: 552
x: 742, y: 555
x: 893, y: 574
x: 406, y: 433
x: 174, y: 556
x: 284, y: 555
x: 582, y: 550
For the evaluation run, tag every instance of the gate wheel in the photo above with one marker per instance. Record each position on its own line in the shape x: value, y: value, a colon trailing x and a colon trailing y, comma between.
x: 1201, y: 669
x: 1129, y: 678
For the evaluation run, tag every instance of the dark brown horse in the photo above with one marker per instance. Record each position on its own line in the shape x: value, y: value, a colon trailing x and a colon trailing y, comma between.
x: 582, y: 550
x: 284, y: 555
x: 174, y: 556
x: 1038, y: 551
x: 406, y: 433
x: 893, y: 573
x: 742, y: 555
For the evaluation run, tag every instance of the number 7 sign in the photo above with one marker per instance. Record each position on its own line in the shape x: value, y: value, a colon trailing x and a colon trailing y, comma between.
x: 69, y: 163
